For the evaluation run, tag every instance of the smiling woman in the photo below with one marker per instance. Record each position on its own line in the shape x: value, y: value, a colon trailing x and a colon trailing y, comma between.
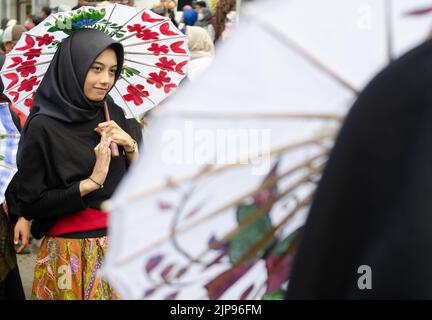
x: 101, y: 76
x: 65, y: 169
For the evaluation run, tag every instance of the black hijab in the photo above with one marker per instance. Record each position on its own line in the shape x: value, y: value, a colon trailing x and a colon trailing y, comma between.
x: 373, y: 206
x: 61, y: 93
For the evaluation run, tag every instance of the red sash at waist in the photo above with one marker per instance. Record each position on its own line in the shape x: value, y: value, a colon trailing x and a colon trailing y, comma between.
x: 85, y: 220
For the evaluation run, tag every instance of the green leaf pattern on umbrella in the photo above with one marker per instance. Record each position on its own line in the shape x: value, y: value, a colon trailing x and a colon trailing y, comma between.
x: 111, y: 27
x: 82, y: 18
x: 129, y: 71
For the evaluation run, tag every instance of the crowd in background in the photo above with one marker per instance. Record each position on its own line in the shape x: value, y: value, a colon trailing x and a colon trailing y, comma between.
x: 216, y: 19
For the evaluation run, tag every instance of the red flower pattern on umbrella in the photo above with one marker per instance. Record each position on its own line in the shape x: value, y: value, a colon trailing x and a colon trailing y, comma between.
x: 29, y: 101
x: 147, y: 34
x: 157, y: 50
x: 164, y: 63
x: 15, y: 96
x: 45, y: 40
x: 33, y: 53
x: 14, y: 79
x: 30, y: 43
x: 136, y: 94
x: 16, y: 61
x: 168, y: 87
x: 147, y: 18
x: 27, y: 68
x: 165, y: 30
x: 136, y: 28
x: 158, y: 79
x: 176, y: 47
x: 28, y: 84
x: 179, y: 67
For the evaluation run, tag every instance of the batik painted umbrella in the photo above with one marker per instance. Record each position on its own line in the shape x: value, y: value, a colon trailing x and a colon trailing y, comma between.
x: 213, y: 207
x: 9, y: 138
x: 156, y: 55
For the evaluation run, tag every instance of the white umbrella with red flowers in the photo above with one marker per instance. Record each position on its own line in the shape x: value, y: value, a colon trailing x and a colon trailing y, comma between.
x: 156, y: 55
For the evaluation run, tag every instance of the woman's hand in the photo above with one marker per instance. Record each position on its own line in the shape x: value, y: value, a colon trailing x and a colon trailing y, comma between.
x: 117, y: 134
x: 103, y: 159
x: 101, y: 167
x: 22, y: 232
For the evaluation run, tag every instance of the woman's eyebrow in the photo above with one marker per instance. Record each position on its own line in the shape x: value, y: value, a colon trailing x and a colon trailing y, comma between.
x: 102, y: 64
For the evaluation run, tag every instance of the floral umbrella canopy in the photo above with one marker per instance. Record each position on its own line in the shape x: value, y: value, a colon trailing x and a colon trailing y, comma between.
x: 156, y: 55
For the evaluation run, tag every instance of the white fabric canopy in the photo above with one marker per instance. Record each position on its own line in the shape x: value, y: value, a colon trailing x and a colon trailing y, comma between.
x: 285, y: 78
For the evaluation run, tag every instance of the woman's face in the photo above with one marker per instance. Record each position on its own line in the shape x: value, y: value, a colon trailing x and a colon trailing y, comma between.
x: 101, y: 75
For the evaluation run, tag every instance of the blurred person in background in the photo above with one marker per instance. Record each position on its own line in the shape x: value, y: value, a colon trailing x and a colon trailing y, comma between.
x: 202, y: 51
x: 205, y: 18
x: 31, y: 21
x: 80, y: 4
x: 61, y: 8
x: 11, y: 35
x: 225, y: 18
x: 45, y: 12
x: 10, y: 38
x: 166, y: 8
x: 189, y: 18
x: 212, y: 5
x: 11, y: 23
x: 4, y: 24
x: 13, y: 229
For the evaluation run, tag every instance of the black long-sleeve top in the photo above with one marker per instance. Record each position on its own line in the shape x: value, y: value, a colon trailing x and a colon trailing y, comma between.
x: 56, y: 156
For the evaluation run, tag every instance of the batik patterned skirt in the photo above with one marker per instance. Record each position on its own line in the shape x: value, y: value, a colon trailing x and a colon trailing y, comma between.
x: 68, y: 269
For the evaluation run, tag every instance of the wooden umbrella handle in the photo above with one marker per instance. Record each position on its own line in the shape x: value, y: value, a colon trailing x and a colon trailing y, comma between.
x: 113, y: 146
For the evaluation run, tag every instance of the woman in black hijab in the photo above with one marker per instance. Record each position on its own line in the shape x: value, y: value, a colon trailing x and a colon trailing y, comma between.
x: 368, y: 234
x: 65, y: 169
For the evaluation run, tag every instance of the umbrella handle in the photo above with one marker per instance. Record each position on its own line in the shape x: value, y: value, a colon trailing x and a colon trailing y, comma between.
x: 113, y: 145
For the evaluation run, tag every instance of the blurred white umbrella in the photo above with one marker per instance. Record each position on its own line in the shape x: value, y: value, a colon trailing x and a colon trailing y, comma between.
x: 229, y: 164
x: 9, y: 138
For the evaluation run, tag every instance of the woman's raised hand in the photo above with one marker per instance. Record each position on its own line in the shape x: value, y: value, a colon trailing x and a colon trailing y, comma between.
x: 117, y: 134
x: 100, y: 170
x: 103, y: 159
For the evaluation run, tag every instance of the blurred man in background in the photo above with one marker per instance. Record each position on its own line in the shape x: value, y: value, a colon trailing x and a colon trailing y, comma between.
x: 31, y: 21
x: 10, y: 38
x: 45, y: 12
